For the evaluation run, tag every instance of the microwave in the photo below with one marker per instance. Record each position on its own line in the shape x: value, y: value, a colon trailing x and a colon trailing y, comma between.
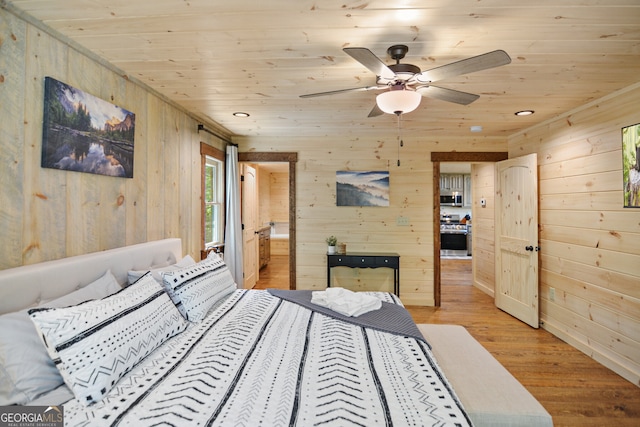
x: 452, y: 199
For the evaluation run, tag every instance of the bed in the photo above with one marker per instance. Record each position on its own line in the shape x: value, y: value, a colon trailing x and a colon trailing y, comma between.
x: 148, y: 355
x: 141, y: 335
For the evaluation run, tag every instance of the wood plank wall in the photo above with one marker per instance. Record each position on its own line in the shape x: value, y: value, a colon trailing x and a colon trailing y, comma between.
x: 590, y: 244
x: 264, y: 195
x: 371, y: 229
x: 482, y: 220
x: 49, y: 214
x: 273, y: 195
x: 279, y: 188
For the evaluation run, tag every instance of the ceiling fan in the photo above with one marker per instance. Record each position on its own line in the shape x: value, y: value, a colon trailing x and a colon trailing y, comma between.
x: 405, y: 84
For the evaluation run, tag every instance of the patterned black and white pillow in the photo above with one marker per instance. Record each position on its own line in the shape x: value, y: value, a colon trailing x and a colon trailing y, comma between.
x: 197, y: 288
x: 26, y: 370
x: 133, y: 275
x: 96, y: 343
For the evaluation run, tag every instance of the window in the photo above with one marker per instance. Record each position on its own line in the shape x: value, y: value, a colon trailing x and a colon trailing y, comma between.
x: 212, y: 196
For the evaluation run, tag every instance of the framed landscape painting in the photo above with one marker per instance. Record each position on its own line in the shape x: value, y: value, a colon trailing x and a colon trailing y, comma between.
x: 83, y: 133
x: 367, y: 188
x: 631, y: 165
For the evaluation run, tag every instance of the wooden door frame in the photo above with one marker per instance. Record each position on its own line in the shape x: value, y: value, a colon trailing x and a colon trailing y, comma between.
x: 292, y: 159
x: 438, y: 157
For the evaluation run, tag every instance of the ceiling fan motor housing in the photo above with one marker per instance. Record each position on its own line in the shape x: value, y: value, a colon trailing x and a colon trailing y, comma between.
x: 397, y: 51
x: 403, y: 72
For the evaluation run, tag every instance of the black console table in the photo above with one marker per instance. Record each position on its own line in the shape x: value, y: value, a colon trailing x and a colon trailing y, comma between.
x: 366, y: 260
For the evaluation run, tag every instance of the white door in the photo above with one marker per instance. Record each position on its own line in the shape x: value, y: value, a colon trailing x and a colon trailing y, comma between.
x: 249, y: 224
x: 516, y: 238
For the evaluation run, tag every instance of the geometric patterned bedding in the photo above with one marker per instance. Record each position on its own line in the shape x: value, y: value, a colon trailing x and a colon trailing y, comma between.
x: 257, y: 360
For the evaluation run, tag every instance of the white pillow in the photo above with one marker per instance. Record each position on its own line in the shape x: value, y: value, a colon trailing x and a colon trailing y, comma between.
x: 26, y: 370
x: 197, y: 288
x: 134, y: 275
x: 97, y: 342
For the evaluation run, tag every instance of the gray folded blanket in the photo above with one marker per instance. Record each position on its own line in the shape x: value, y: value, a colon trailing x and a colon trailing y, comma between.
x: 391, y: 318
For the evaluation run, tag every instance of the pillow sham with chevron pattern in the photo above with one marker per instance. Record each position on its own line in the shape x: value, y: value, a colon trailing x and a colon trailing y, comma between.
x: 197, y: 288
x: 133, y: 275
x: 95, y: 343
x: 26, y: 370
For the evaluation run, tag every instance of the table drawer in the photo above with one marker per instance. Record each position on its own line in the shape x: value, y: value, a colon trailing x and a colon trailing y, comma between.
x: 351, y: 261
x: 366, y: 260
x: 391, y: 262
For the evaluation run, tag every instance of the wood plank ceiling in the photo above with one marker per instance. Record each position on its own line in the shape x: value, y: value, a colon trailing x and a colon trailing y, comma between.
x: 217, y: 57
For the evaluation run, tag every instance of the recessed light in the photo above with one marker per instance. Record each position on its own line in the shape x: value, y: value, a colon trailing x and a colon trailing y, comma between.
x: 476, y: 128
x: 241, y: 114
x: 524, y: 113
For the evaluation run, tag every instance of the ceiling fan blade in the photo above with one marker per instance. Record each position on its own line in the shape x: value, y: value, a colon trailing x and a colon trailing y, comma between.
x: 448, y: 95
x: 370, y: 61
x: 465, y: 66
x: 334, y: 92
x: 375, y: 111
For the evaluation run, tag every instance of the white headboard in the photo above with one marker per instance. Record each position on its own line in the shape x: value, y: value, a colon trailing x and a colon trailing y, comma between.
x: 30, y: 285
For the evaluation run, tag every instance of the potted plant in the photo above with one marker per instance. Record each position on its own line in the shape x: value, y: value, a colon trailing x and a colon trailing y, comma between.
x: 331, y: 244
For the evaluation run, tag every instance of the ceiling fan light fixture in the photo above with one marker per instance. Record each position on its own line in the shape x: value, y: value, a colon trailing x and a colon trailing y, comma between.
x: 398, y: 101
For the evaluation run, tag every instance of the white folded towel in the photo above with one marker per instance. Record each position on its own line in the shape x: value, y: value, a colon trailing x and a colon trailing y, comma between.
x: 346, y: 302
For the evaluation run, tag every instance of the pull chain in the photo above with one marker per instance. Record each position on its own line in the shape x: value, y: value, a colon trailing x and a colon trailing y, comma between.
x: 400, y: 141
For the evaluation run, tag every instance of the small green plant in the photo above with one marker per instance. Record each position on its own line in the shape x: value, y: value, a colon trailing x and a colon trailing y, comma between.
x: 332, y: 240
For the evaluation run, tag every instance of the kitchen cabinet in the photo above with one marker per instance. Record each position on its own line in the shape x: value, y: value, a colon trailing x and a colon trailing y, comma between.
x: 445, y: 182
x: 451, y: 182
x: 466, y: 198
x: 264, y: 239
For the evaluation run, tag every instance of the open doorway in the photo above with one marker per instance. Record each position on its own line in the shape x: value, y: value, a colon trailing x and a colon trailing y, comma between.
x: 437, y: 159
x: 455, y: 211
x: 456, y: 224
x: 273, y: 220
x: 288, y: 160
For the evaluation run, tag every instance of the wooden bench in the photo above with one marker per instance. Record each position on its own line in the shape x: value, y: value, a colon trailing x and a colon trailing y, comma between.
x: 490, y: 394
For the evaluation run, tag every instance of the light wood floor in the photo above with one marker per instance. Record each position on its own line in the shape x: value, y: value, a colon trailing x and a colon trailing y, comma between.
x: 275, y: 274
x: 573, y: 388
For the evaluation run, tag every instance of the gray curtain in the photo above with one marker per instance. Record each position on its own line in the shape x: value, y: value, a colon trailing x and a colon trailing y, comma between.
x: 233, y: 227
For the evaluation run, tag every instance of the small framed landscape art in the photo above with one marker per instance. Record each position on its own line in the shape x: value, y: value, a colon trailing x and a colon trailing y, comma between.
x: 631, y: 165
x: 365, y: 188
x: 83, y: 133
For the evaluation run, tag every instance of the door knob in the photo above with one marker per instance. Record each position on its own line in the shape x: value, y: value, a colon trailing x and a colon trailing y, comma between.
x: 528, y: 248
